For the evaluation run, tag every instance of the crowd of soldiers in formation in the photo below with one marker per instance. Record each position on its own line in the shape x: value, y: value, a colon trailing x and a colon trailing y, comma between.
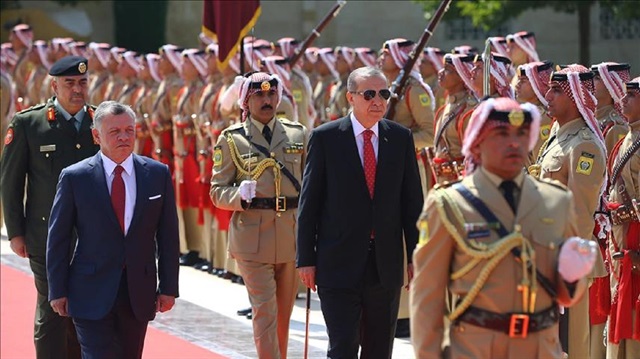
x: 183, y: 101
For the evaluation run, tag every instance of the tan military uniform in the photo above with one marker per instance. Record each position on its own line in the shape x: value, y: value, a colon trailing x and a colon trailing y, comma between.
x: 545, y: 131
x: 34, y: 85
x: 454, y: 234
x: 285, y: 108
x: 438, y: 92
x: 163, y: 110
x: 630, y: 175
x: 20, y: 76
x: 573, y: 157
x: 98, y: 87
x: 262, y: 240
x: 303, y: 97
x: 613, y: 126
x: 115, y: 88
x: 186, y: 168
x: 338, y: 105
x: 143, y: 102
x: 321, y: 96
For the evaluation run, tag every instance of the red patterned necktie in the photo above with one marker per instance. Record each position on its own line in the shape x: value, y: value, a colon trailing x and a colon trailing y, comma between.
x: 369, y: 162
x: 117, y: 195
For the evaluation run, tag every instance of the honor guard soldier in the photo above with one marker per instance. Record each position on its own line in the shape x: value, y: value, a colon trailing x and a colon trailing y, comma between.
x: 301, y: 89
x: 431, y: 63
x: 278, y: 65
x: 446, y: 158
x: 609, y: 80
x: 187, y: 171
x: 503, y: 243
x: 21, y: 38
x: 38, y: 74
x: 40, y: 142
x: 338, y: 105
x: 531, y: 86
x: 309, y: 66
x: 164, y: 107
x: 116, y: 82
x: 99, y: 79
x: 499, y: 78
x: 257, y: 171
x: 624, y: 243
x: 521, y: 49
x: 575, y: 155
x: 149, y: 80
x: 328, y: 77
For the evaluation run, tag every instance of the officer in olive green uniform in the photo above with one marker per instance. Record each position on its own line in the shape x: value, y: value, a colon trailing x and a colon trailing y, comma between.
x: 499, y: 241
x: 575, y: 155
x: 40, y: 142
x: 257, y: 172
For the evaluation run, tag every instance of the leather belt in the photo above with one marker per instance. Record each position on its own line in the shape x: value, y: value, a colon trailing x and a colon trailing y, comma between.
x: 279, y: 204
x: 517, y: 325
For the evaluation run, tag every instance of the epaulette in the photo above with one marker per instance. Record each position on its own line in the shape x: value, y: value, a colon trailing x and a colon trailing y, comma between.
x: 552, y: 182
x: 586, y: 134
x: 33, y: 108
x: 616, y: 118
x: 287, y: 122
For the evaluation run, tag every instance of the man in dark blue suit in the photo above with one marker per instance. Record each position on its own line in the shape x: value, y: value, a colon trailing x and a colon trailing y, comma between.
x: 361, y: 196
x: 122, y: 207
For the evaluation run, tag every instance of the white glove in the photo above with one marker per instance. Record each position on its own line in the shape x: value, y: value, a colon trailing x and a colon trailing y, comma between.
x: 576, y: 259
x: 247, y: 190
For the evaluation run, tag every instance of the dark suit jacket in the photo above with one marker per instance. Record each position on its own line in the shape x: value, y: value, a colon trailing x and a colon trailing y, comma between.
x: 336, y: 214
x: 40, y: 148
x: 91, y: 278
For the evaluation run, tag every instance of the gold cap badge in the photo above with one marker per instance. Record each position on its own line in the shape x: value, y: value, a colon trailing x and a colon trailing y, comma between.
x: 82, y: 67
x: 516, y: 118
x: 265, y: 86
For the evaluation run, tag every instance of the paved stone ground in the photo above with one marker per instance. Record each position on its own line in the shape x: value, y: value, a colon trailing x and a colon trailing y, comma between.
x: 205, y: 314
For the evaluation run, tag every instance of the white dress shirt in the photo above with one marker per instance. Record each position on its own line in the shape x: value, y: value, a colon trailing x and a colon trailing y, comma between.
x: 358, y: 132
x: 129, y: 178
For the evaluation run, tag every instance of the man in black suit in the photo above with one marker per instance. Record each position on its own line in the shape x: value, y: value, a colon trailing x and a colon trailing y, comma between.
x: 361, y: 196
x: 122, y: 207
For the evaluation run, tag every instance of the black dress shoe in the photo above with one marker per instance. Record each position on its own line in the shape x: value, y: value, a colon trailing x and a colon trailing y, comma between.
x: 244, y: 311
x: 206, y: 266
x: 238, y: 280
x: 228, y: 275
x: 402, y: 328
x: 250, y: 316
x: 221, y: 273
x: 190, y: 258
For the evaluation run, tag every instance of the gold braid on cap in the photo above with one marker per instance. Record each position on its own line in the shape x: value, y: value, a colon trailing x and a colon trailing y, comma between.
x: 493, y: 253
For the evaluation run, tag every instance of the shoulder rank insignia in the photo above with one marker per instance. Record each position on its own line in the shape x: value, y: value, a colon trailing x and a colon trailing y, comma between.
x: 51, y: 114
x: 425, y: 100
x: 281, y: 115
x: 297, y: 147
x: 423, y: 225
x: 8, y: 138
x: 585, y: 163
x: 217, y: 156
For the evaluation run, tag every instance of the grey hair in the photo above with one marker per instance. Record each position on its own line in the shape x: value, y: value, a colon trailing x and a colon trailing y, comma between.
x: 111, y: 108
x: 363, y: 73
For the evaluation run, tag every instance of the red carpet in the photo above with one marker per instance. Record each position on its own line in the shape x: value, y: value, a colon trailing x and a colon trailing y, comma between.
x: 17, y: 308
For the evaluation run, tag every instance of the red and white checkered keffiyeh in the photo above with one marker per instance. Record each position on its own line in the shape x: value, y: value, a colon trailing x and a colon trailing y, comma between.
x: 24, y: 33
x: 539, y: 79
x: 152, y: 63
x: 527, y: 42
x: 614, y: 81
x: 131, y: 58
x: 328, y: 56
x: 501, y: 72
x: 255, y: 51
x: 367, y: 56
x: 101, y: 52
x: 463, y: 68
x: 499, y: 45
x: 434, y: 55
x: 347, y: 53
x: 171, y: 51
x: 480, y: 124
x: 196, y: 57
x: 245, y: 91
x: 40, y: 46
x: 78, y: 48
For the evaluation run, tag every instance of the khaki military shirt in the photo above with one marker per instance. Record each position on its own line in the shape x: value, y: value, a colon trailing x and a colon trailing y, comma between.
x: 338, y: 105
x: 98, y: 87
x: 573, y: 157
x: 261, y: 235
x: 450, y: 143
x: 543, y: 135
x: 613, y: 126
x: 321, y: 96
x: 303, y: 97
x: 415, y: 111
x: 450, y: 226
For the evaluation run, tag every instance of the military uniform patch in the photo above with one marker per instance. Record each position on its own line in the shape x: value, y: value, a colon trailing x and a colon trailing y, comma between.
x: 281, y: 115
x: 425, y: 100
x: 9, y: 137
x: 217, y: 156
x: 585, y: 163
x: 297, y: 95
x: 545, y: 131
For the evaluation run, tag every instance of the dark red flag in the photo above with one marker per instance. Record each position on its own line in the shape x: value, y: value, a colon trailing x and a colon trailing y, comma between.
x: 228, y: 22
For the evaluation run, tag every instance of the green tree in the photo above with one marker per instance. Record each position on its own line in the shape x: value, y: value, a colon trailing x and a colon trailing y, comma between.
x: 490, y: 13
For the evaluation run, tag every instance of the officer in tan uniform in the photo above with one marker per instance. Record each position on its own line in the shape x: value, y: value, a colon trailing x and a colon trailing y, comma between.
x: 501, y: 242
x: 531, y: 86
x: 415, y: 111
x: 431, y: 63
x: 257, y: 172
x: 624, y: 243
x: 499, y: 78
x: 609, y: 93
x: 575, y: 155
x: 446, y: 159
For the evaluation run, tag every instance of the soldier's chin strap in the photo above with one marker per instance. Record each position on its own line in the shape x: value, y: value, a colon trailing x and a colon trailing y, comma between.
x: 485, y: 212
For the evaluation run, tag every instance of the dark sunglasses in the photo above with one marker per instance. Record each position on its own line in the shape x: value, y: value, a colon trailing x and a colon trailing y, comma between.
x: 368, y: 95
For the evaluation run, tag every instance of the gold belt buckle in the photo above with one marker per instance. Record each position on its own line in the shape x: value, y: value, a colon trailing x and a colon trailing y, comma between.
x: 519, y: 326
x: 281, y: 204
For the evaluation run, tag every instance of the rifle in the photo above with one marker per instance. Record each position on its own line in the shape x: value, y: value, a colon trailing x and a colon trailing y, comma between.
x: 398, y: 85
x: 486, y: 69
x: 315, y: 33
